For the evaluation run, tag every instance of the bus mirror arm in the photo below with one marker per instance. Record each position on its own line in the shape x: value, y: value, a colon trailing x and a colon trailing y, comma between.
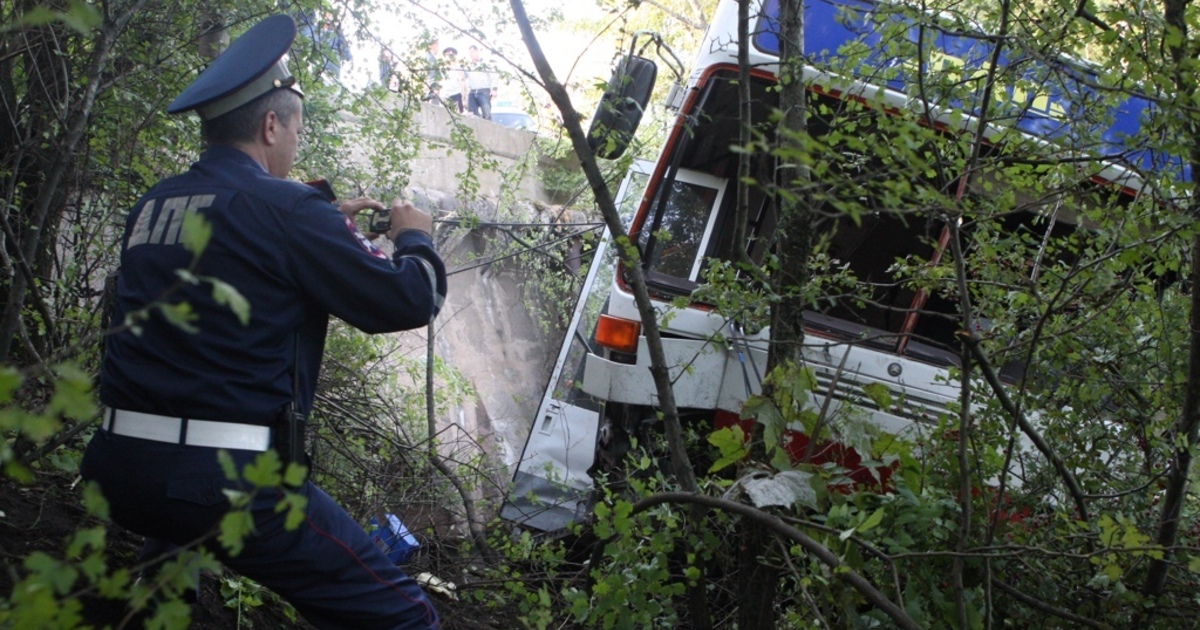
x: 660, y: 47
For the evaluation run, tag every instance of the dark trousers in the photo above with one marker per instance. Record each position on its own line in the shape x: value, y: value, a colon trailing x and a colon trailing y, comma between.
x: 328, y: 568
x: 456, y: 103
x: 479, y: 102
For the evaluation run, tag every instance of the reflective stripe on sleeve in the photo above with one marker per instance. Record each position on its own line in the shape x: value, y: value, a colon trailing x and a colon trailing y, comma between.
x: 438, y: 299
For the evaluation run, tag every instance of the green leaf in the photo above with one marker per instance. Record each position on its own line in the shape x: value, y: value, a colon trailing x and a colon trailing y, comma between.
x: 235, y: 526
x: 94, y: 501
x: 180, y: 315
x: 187, y: 276
x: 237, y: 498
x: 72, y: 394
x: 16, y: 471
x: 265, y: 470
x: 227, y: 465
x: 113, y: 585
x: 295, y: 474
x: 731, y: 442
x: 93, y: 566
x: 37, y: 427
x: 879, y: 394
x: 225, y: 294
x: 197, y: 231
x: 82, y: 16
x: 92, y: 537
x: 872, y: 521
x: 172, y: 613
x: 10, y: 380
x: 59, y: 575
x: 1113, y: 572
x: 294, y: 503
x: 37, y: 16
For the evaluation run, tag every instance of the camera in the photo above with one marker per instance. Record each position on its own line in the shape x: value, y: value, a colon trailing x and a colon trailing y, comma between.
x: 381, y: 221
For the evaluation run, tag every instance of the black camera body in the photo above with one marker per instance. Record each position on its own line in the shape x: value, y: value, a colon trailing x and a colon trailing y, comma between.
x: 381, y: 221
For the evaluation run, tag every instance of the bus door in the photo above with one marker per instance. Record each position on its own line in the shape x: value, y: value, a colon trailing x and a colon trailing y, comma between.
x: 552, y: 487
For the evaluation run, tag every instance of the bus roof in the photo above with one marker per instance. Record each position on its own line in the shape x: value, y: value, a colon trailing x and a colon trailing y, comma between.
x: 1059, y: 101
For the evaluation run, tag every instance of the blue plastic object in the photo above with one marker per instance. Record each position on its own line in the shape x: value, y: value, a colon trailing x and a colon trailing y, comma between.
x: 394, y: 540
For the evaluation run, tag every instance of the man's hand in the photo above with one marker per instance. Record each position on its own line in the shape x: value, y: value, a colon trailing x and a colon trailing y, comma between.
x: 354, y: 206
x: 406, y: 216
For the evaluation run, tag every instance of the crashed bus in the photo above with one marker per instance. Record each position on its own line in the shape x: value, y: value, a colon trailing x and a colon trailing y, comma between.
x: 863, y: 60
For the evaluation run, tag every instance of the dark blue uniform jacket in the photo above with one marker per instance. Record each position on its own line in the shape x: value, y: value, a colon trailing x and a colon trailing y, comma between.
x: 290, y: 253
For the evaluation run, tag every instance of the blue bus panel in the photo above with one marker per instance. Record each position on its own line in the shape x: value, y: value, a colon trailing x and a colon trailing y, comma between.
x: 1052, y: 100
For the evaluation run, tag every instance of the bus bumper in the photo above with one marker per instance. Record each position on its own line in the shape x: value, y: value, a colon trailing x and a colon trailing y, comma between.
x: 704, y: 376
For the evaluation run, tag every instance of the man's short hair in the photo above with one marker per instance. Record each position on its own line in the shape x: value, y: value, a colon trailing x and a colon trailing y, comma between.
x: 243, y: 123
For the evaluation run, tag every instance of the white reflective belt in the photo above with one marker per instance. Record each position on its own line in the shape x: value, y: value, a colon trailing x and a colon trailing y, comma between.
x: 209, y: 433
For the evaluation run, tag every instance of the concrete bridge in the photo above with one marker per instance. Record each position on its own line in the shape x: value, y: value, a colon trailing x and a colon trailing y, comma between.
x: 492, y: 328
x: 438, y: 166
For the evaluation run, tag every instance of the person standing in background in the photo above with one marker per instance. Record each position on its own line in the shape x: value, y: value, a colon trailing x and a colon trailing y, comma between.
x: 433, y: 74
x: 388, y: 77
x: 456, y: 80
x: 325, y: 30
x: 481, y: 86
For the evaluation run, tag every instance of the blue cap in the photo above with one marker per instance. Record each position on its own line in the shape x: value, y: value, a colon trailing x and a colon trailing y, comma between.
x: 252, y: 66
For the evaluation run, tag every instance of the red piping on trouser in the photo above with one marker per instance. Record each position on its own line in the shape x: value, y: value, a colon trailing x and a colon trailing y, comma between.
x: 375, y: 576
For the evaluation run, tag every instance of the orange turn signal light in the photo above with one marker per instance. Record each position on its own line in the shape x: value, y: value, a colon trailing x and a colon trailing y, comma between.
x: 617, y: 333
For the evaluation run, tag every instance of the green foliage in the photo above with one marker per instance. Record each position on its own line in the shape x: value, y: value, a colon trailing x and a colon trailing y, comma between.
x: 642, y: 551
x: 1095, y: 319
x: 69, y: 399
x: 126, y: 146
x: 527, y: 562
x: 243, y: 595
x: 79, y: 16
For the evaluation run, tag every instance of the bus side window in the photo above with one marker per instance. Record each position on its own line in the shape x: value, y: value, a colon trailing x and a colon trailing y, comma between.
x: 678, y: 238
x: 685, y: 229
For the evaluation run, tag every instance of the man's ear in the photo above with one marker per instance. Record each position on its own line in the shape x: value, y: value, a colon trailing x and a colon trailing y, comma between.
x: 270, y: 128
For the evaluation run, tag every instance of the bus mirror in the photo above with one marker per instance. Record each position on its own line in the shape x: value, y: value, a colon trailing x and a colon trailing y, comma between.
x: 621, y: 106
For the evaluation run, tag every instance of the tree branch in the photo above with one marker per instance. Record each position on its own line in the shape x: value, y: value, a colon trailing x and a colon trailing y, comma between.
x: 681, y: 465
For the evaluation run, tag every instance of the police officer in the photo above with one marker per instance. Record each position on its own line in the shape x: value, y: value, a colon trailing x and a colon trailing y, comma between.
x: 175, y: 397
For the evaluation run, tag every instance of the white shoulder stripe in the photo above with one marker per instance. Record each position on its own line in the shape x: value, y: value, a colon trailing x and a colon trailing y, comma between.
x: 438, y: 299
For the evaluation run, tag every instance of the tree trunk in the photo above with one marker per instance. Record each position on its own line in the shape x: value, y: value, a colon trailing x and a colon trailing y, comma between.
x: 794, y: 241
x: 793, y: 245
x: 26, y: 233
x: 1187, y: 425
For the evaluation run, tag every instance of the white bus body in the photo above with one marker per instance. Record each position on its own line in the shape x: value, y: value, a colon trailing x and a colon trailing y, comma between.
x: 596, y: 394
